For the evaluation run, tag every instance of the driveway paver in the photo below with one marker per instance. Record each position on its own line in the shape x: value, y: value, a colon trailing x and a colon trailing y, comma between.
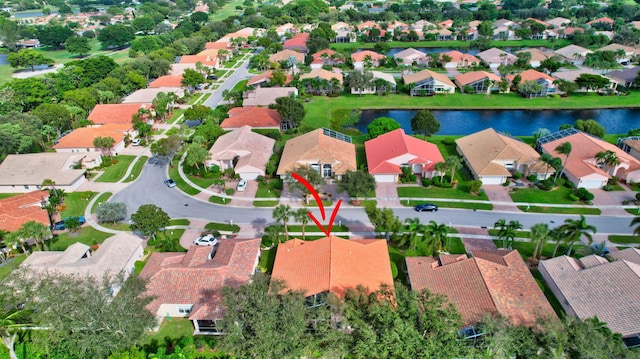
x: 500, y: 199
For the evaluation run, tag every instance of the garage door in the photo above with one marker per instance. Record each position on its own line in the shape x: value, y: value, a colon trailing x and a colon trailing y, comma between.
x: 385, y: 178
x: 591, y: 184
x: 249, y: 175
x: 492, y: 180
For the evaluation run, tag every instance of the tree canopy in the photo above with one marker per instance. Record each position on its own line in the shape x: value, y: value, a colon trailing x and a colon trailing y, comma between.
x: 290, y: 110
x: 149, y: 219
x: 425, y: 123
x: 381, y: 125
x: 357, y: 183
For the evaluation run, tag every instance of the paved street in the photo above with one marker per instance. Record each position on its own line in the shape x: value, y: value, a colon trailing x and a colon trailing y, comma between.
x: 241, y: 73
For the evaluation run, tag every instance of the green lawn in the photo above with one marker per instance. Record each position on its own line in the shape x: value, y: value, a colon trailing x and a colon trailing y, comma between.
x: 137, y: 168
x: 519, y: 234
x: 222, y: 227
x: 75, y: 203
x: 118, y: 226
x: 309, y: 228
x: 560, y: 210
x: 116, y: 171
x: 320, y: 107
x: 179, y: 222
x: 6, y: 73
x: 267, y: 258
x: 176, y: 114
x: 464, y: 205
x: 63, y: 56
x: 180, y: 183
x: 265, y: 192
x: 88, y: 236
x: 454, y: 44
x: 202, y: 182
x: 103, y: 198
x: 8, y: 267
x: 240, y: 85
x: 526, y: 248
x: 560, y: 195
x: 624, y: 239
x: 229, y: 9
x: 219, y: 200
x: 437, y: 192
x: 7, y: 195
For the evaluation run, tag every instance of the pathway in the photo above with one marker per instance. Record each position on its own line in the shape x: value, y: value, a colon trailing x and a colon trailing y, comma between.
x: 499, y: 195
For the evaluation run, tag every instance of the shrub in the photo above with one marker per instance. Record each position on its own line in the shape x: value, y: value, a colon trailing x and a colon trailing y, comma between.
x: 276, y: 185
x: 613, y: 181
x: 532, y: 178
x: 638, y: 196
x: 517, y: 176
x: 584, y: 194
x: 437, y: 183
x: 607, y: 188
x: 546, y: 185
x: 426, y: 182
x: 506, y: 183
x: 474, y: 186
x: 229, y: 191
x: 573, y: 197
x: 560, y: 182
x: 394, y: 270
x: 569, y: 184
x: 448, y: 141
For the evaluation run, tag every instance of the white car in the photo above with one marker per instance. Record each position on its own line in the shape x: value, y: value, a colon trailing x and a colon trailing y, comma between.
x: 242, y: 185
x: 207, y: 240
x: 136, y: 142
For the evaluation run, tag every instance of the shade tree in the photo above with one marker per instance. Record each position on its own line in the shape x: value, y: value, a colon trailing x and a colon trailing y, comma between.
x: 380, y: 126
x: 424, y: 123
x: 28, y: 58
x: 149, y: 219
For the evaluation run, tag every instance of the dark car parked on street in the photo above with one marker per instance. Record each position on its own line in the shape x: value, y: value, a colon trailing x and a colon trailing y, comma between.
x: 430, y: 207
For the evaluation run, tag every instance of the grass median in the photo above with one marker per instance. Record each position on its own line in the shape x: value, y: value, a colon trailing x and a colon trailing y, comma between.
x: 561, y: 210
x: 137, y: 169
x: 117, y: 170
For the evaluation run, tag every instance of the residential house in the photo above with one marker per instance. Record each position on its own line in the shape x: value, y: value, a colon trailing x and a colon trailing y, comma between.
x: 545, y: 81
x: 594, y: 287
x: 328, y: 152
x: 446, y: 24
x: 332, y: 265
x: 255, y: 117
x: 573, y: 54
x: 115, y: 256
x: 189, y: 285
x: 387, y: 154
x: 572, y: 75
x: 559, y: 22
x: 28, y: 44
x: 297, y: 43
x: 264, y: 79
x: 166, y: 81
x: 219, y: 45
x: 366, y: 58
x: 294, y: 57
x: 458, y: 60
x: 492, y: 282
x: 504, y: 29
x: 26, y: 172
x: 626, y: 77
x: 367, y: 25
x: 326, y: 57
x: 398, y: 26
x: 103, y: 114
x: 267, y: 96
x: 410, y: 57
x: 479, y: 81
x: 242, y: 150
x: 149, y: 94
x: 18, y: 210
x: 286, y: 28
x: 382, y: 83
x: 344, y: 32
x: 624, y: 53
x: 537, y: 56
x: 634, y: 25
x: 495, y: 57
x: 630, y: 145
x: 440, y: 34
x: 423, y: 25
x: 493, y: 157
x: 206, y: 60
x: 243, y: 34
x: 81, y: 139
x: 321, y: 82
x: 606, y: 21
x: 428, y: 83
x: 583, y: 168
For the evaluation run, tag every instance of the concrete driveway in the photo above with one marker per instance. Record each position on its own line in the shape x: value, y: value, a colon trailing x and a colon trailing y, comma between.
x: 387, y: 195
x: 499, y: 197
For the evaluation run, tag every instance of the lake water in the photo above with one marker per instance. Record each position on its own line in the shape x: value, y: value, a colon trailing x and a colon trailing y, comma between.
x: 515, y: 122
x: 26, y: 14
x: 3, y: 59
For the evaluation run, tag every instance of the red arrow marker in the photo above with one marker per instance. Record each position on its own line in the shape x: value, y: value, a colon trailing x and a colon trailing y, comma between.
x: 313, y: 191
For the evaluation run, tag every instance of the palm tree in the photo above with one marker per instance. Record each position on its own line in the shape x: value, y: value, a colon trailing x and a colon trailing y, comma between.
x: 14, y: 239
x: 573, y: 229
x: 414, y: 227
x: 563, y: 149
x: 282, y: 213
x: 547, y: 159
x: 438, y: 233
x: 510, y: 233
x: 501, y: 227
x: 12, y: 322
x: 441, y: 168
x: 37, y: 231
x: 608, y: 159
x: 539, y: 235
x: 301, y: 216
x: 453, y: 162
x: 634, y: 222
x: 556, y: 235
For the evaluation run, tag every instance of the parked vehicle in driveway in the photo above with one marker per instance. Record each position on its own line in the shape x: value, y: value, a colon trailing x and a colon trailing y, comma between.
x: 170, y: 183
x: 206, y: 240
x: 429, y: 207
x: 61, y: 226
x: 242, y: 185
x: 135, y: 142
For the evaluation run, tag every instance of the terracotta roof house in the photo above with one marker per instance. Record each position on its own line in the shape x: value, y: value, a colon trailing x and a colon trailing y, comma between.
x: 572, y: 75
x: 20, y: 209
x: 495, y: 57
x: 116, y: 255
x: 211, y: 61
x: 388, y: 153
x: 115, y: 113
x: 544, y: 80
x: 358, y: 59
x: 559, y: 22
x: 537, y: 56
x: 249, y: 150
x: 321, y: 82
x: 81, y: 139
x: 344, y: 32
x: 493, y: 157
x: 582, y: 167
x: 390, y: 85
x: 255, y: 117
x: 459, y: 60
x: 410, y: 56
x: 220, y: 45
x: 592, y: 286
x: 480, y: 81
x: 573, y: 54
x: 265, y: 96
x: 367, y: 25
x: 326, y: 57
x: 167, y: 81
x: 333, y: 265
x: 490, y: 282
x: 319, y: 150
x: 322, y: 74
x: 149, y: 94
x: 26, y: 172
x: 297, y: 43
x: 284, y: 28
x: 286, y: 55
x: 626, y: 77
x: 428, y: 82
x: 265, y: 79
x: 189, y: 285
x: 629, y: 52
x: 441, y: 34
x: 602, y: 20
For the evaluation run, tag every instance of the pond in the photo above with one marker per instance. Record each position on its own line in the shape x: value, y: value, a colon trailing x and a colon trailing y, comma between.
x: 3, y: 59
x: 515, y: 122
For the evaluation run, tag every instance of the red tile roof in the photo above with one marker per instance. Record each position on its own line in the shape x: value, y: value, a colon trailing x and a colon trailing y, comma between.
x: 457, y: 56
x: 114, y: 113
x: 299, y: 40
x: 385, y: 151
x: 259, y: 117
x: 16, y: 210
x: 491, y: 282
x: 318, y: 55
x: 473, y: 76
x: 83, y: 137
x: 531, y: 75
x: 360, y: 56
x: 192, y: 278
x: 167, y: 81
x: 333, y: 264
x: 216, y: 45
